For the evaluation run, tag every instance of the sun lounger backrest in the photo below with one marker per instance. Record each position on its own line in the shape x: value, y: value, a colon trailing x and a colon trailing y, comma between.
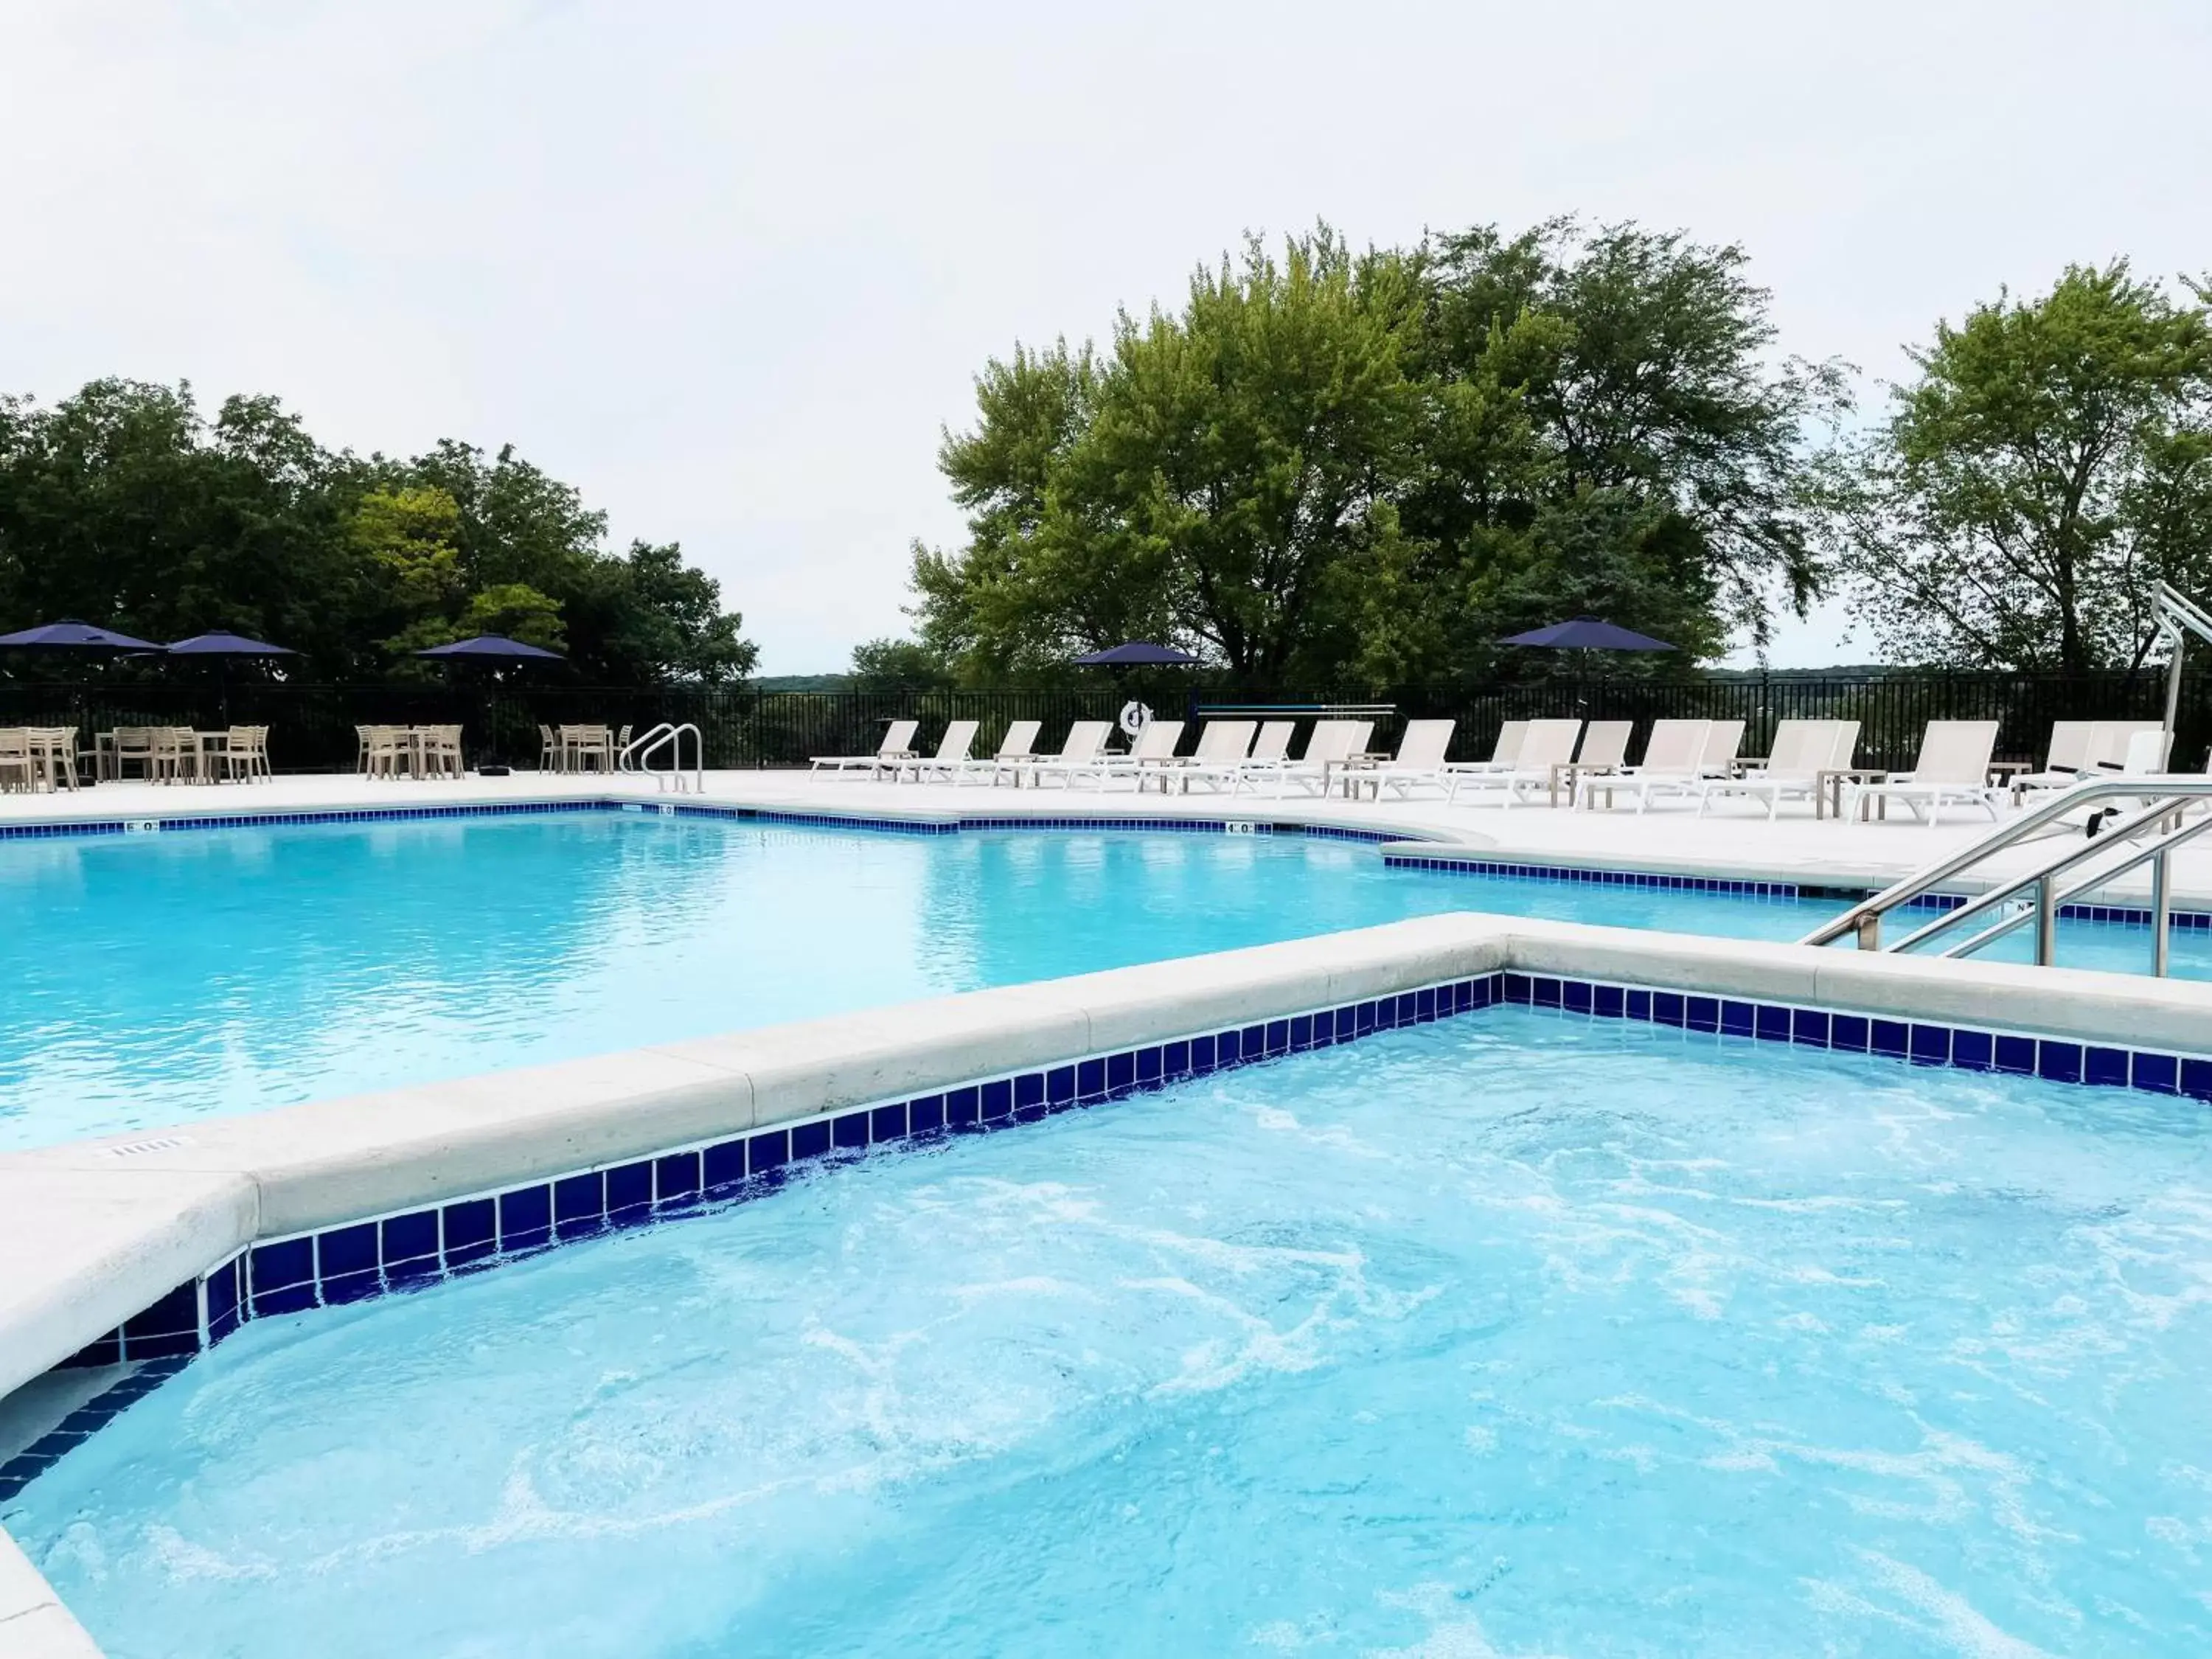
x: 1362, y: 734
x: 2109, y: 741
x: 1605, y: 743
x: 2146, y: 753
x: 1158, y: 740
x: 1842, y: 751
x: 1798, y: 745
x: 1547, y: 742
x: 1422, y: 747
x: 898, y: 737
x: 1020, y: 741
x: 1085, y: 740
x: 1722, y: 742
x: 1225, y: 740
x: 1956, y: 752
x: 1509, y: 743
x: 1331, y: 740
x: 959, y: 738
x: 1274, y: 742
x: 1674, y: 745
x: 2069, y: 745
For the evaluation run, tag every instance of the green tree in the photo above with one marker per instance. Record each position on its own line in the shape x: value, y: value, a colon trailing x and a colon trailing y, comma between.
x: 2049, y: 465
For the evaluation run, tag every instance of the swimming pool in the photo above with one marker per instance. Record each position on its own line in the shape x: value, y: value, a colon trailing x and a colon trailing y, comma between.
x: 156, y: 979
x: 1520, y: 1335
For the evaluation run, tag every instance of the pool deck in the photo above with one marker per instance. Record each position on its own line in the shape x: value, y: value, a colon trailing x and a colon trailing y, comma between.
x: 1734, y: 841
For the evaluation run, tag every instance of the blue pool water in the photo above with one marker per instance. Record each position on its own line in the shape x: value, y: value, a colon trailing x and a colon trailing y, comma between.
x: 157, y: 979
x: 1514, y: 1335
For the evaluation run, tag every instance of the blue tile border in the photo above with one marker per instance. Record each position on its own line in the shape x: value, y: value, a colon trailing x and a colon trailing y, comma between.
x: 1467, y: 865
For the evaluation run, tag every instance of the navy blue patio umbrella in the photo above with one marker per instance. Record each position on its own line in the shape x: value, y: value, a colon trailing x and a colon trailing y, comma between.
x: 1136, y: 653
x: 69, y: 634
x: 221, y: 643
x: 493, y: 646
x: 1587, y: 634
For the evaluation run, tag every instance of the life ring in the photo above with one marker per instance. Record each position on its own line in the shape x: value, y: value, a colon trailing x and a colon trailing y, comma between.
x: 1135, y: 717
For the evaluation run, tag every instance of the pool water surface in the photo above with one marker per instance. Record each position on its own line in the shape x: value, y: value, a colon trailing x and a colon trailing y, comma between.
x: 1518, y: 1334
x: 156, y: 979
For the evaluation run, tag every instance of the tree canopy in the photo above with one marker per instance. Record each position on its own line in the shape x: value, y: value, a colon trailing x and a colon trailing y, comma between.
x: 1331, y: 468
x: 2050, y: 463
x: 125, y: 506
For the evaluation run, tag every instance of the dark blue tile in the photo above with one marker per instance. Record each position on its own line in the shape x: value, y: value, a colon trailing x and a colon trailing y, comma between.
x: 278, y: 1269
x: 887, y: 1123
x: 2016, y: 1054
x: 179, y: 1311
x: 580, y: 1204
x: 809, y: 1139
x: 411, y: 1238
x: 1517, y: 988
x: 1608, y: 1001
x: 1251, y: 1043
x: 765, y: 1154
x: 1203, y: 1050
x: 1362, y: 1020
x: 1639, y: 1006
x: 221, y: 1325
x: 676, y: 1178
x: 849, y: 1131
x: 1029, y: 1093
x: 925, y: 1117
x: 1737, y: 1019
x: 1848, y: 1031
x: 1478, y: 992
x: 1772, y: 1023
x: 1972, y: 1051
x: 1174, y: 1059
x: 108, y: 1350
x: 222, y: 1291
x: 341, y: 1288
x: 176, y: 1342
x: 1059, y: 1086
x: 998, y: 1099
x: 1148, y: 1068
x: 525, y: 1217
x: 1427, y: 1005
x: 1930, y: 1045
x: 346, y: 1250
x: 1544, y: 993
x: 1577, y: 996
x: 1893, y: 1037
x: 1702, y: 1014
x: 1408, y: 1012
x: 1667, y: 1008
x: 1809, y: 1026
x: 964, y: 1106
x: 630, y: 1191
x: 2161, y: 1073
x: 1090, y: 1079
x: 471, y: 1231
x: 2061, y: 1062
x: 1279, y: 1032
x: 2107, y: 1068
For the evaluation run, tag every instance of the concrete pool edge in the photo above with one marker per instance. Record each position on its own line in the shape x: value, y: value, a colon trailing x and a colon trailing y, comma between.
x: 94, y: 1232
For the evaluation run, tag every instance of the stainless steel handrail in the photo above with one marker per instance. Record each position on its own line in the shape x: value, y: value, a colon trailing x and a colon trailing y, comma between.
x: 2056, y: 899
x: 637, y: 757
x: 1864, y: 918
x: 624, y: 761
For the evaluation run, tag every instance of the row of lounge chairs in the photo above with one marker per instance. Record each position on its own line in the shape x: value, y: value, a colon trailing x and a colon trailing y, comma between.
x: 1684, y: 760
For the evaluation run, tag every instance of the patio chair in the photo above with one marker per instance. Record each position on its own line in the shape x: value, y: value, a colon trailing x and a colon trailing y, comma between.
x: 549, y: 748
x: 1270, y: 754
x: 246, y: 752
x: 17, y: 770
x: 1017, y: 745
x: 437, y: 750
x: 1419, y: 760
x: 1723, y: 740
x: 174, y: 754
x: 1952, y: 768
x: 385, y: 751
x: 1222, y: 747
x: 1085, y: 738
x: 1154, y: 748
x: 1544, y: 745
x: 1329, y: 743
x: 1673, y: 764
x: 133, y: 744
x: 952, y: 753
x: 897, y: 744
x: 1603, y: 753
x: 1801, y: 750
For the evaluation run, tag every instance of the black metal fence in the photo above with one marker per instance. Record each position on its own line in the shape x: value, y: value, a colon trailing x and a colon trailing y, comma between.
x: 312, y: 727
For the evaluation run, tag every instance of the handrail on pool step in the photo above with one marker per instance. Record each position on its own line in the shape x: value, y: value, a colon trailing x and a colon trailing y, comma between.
x: 2159, y: 825
x: 638, y: 756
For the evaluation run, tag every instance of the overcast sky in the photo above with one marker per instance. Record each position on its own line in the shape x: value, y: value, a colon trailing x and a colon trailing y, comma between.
x: 729, y: 269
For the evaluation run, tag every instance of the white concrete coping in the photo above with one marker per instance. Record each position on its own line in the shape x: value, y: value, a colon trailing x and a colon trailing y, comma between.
x: 94, y: 1232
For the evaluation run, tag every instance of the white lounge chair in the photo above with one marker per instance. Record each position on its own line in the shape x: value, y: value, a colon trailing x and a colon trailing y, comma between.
x: 1085, y: 740
x: 1802, y: 751
x: 1544, y: 745
x: 1952, y: 768
x: 1419, y: 760
x: 952, y: 754
x: 1673, y: 764
x: 1723, y: 740
x: 1328, y: 743
x: 1017, y: 745
x: 2079, y: 748
x: 897, y: 744
x: 1502, y: 753
x: 1154, y: 748
x: 1604, y: 751
x: 1222, y: 748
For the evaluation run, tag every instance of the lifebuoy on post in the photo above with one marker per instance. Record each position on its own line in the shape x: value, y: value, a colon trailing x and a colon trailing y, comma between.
x: 1135, y: 717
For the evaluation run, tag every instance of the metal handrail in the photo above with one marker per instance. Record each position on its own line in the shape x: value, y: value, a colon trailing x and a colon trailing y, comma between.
x: 1864, y: 918
x: 637, y: 757
x: 2050, y: 900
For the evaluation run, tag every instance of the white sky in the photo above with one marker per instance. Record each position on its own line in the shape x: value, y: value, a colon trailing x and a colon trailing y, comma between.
x: 729, y: 268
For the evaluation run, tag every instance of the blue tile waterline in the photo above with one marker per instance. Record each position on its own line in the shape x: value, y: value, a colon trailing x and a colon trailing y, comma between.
x: 392, y: 1254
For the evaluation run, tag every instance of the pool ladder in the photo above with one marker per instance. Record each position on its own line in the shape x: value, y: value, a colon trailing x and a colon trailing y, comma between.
x: 2150, y: 837
x: 640, y: 755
